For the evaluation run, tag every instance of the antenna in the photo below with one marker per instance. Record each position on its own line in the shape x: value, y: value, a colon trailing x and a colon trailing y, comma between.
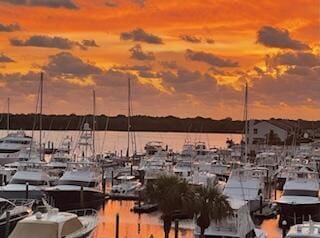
x: 246, y: 120
x: 40, y: 113
x: 8, y: 115
x: 129, y: 115
x: 94, y: 123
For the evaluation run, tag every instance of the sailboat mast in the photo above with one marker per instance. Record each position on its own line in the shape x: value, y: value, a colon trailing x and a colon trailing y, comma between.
x: 246, y: 121
x: 94, y: 124
x: 8, y: 115
x: 129, y: 115
x: 40, y: 114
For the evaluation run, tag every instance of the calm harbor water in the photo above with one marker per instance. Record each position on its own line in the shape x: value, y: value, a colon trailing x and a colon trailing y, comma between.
x: 143, y: 226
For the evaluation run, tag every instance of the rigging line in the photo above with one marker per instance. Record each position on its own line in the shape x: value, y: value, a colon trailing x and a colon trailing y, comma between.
x: 105, y: 133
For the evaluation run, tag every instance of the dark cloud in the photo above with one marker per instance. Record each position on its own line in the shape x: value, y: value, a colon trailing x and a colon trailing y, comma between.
x: 111, y: 3
x: 134, y: 67
x: 210, y: 59
x: 9, y: 27
x: 69, y: 4
x: 140, y: 35
x: 5, y: 59
x: 47, y: 42
x: 278, y: 38
x: 169, y: 64
x: 190, y: 38
x: 210, y: 41
x: 66, y: 64
x: 140, y: 3
x: 294, y: 58
x: 89, y: 43
x: 138, y: 54
x: 148, y: 74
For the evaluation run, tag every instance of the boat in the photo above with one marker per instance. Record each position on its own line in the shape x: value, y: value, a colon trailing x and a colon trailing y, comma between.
x: 11, y: 212
x: 79, y: 187
x: 308, y: 229
x: 57, y: 224
x: 11, y: 144
x: 300, y: 199
x: 29, y: 182
x: 153, y: 147
x: 237, y: 225
x: 245, y: 184
x: 127, y: 187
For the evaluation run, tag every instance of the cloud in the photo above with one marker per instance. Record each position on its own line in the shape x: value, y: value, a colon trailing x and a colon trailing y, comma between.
x: 9, y: 27
x: 66, y: 64
x: 210, y: 41
x: 294, y: 58
x: 47, y: 42
x: 148, y: 74
x: 140, y: 3
x: 140, y: 35
x: 279, y: 38
x: 5, y: 59
x: 111, y: 3
x: 134, y: 67
x: 210, y: 59
x: 190, y: 38
x: 138, y: 54
x: 169, y: 64
x: 89, y: 43
x: 69, y: 4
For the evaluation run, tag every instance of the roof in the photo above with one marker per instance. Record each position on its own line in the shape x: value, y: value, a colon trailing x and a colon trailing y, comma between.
x: 297, y: 200
x: 282, y: 124
x: 48, y: 225
x: 308, y: 229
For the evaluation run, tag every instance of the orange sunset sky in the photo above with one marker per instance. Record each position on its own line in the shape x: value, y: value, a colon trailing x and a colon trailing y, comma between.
x: 184, y: 58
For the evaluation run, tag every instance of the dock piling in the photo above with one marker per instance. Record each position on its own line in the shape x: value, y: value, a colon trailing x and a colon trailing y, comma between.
x: 176, y: 228
x: 117, y: 225
x: 81, y: 197
x: 27, y: 190
x: 7, y: 228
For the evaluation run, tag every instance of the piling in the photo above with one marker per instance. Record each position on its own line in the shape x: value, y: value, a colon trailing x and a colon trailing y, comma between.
x: 7, y: 227
x: 261, y: 204
x: 117, y: 226
x: 81, y: 197
x: 284, y: 228
x: 111, y: 177
x: 131, y: 169
x: 27, y: 190
x: 103, y: 183
x: 176, y: 228
x: 5, y: 179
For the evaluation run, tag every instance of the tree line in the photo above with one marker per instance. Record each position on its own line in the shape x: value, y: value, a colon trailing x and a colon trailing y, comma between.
x: 138, y: 123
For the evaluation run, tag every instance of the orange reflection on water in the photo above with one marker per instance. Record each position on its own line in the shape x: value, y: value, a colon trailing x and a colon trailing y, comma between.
x: 132, y: 225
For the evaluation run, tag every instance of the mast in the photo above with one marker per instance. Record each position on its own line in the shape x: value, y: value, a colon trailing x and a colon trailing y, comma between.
x: 8, y: 115
x: 129, y: 115
x: 94, y: 123
x: 40, y: 114
x: 246, y: 121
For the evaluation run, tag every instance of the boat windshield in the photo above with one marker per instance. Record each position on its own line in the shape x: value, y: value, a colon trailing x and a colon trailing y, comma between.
x: 77, y: 183
x: 307, y: 193
x: 30, y: 182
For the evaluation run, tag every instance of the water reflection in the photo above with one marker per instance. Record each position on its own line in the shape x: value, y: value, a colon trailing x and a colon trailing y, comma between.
x: 133, y: 225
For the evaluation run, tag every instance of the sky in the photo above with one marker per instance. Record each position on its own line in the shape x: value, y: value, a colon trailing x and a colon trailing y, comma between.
x: 183, y: 58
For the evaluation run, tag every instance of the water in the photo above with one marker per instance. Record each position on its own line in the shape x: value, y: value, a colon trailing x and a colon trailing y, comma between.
x: 143, y: 226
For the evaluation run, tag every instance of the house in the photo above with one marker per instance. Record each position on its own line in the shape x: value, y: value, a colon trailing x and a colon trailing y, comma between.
x: 269, y: 131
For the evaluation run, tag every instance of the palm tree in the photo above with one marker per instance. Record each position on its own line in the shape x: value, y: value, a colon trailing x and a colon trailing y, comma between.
x: 172, y: 195
x: 210, y: 205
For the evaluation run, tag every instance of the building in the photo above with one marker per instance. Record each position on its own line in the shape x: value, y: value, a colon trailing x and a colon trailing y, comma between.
x: 268, y: 132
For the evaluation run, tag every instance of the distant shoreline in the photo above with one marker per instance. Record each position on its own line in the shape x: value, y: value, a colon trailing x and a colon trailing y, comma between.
x: 139, y: 123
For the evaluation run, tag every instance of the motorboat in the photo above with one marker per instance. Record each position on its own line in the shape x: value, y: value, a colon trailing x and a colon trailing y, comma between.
x: 237, y: 225
x: 126, y: 186
x: 57, y: 224
x: 79, y: 187
x: 308, y: 229
x: 11, y: 212
x: 300, y: 199
x: 245, y: 184
x: 11, y: 144
x: 29, y: 182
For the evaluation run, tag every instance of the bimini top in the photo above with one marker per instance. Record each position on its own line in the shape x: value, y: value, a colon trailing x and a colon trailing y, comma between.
x: 49, y: 225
